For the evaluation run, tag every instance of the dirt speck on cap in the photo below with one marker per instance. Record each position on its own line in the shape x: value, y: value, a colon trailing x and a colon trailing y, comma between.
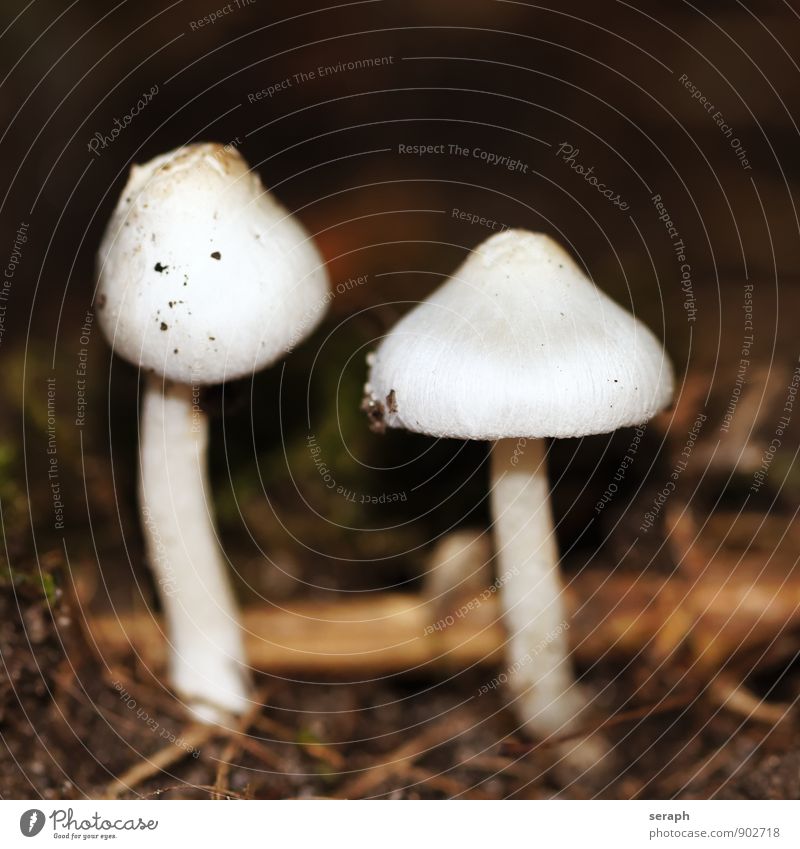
x: 376, y: 413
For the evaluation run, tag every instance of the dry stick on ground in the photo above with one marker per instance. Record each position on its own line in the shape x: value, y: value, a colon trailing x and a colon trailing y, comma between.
x: 699, y: 773
x: 497, y: 764
x: 206, y: 788
x: 443, y: 783
x: 234, y: 746
x: 513, y: 748
x: 735, y: 609
x: 144, y: 693
x: 265, y: 755
x: 735, y: 697
x: 195, y: 736
x: 724, y: 690
x: 319, y: 751
x: 396, y: 762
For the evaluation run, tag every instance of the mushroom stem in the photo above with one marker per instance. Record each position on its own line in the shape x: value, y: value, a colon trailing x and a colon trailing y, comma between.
x: 207, y: 660
x: 540, y: 673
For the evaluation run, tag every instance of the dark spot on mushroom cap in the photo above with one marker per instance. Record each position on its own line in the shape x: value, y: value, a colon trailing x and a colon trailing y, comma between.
x: 164, y: 325
x: 216, y: 255
x: 376, y: 413
x: 391, y: 402
x: 213, y: 338
x: 174, y: 350
x: 160, y: 268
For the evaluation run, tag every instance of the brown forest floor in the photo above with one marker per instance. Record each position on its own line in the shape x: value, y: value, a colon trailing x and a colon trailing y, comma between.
x: 72, y: 728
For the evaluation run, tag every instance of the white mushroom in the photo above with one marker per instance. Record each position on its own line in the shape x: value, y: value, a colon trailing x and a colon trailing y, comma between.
x: 203, y: 278
x: 516, y: 346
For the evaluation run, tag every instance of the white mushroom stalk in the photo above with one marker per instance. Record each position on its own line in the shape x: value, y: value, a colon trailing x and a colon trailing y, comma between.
x: 207, y: 661
x: 203, y: 278
x: 532, y: 599
x: 519, y: 345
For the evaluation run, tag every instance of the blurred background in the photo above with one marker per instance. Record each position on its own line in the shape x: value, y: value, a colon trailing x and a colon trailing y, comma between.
x: 687, y: 114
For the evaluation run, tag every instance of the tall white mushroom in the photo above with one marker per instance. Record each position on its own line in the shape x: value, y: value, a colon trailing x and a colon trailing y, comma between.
x: 203, y: 278
x: 516, y: 346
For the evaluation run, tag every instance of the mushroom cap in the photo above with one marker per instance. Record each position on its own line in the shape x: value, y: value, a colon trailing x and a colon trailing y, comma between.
x: 518, y: 343
x: 203, y: 276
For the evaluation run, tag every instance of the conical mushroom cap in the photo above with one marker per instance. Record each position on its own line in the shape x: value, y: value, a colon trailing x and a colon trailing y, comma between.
x: 519, y: 343
x: 203, y: 276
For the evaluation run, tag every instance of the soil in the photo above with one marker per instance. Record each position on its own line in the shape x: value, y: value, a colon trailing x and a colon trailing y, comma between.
x: 70, y: 725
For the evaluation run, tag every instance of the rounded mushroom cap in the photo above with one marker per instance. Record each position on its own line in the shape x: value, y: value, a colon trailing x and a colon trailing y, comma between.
x: 203, y: 276
x: 518, y: 343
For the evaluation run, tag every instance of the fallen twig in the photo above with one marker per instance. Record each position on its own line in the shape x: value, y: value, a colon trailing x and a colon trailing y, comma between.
x: 726, y: 610
x: 737, y: 698
x: 514, y: 748
x: 234, y: 746
x: 399, y: 760
x: 195, y: 736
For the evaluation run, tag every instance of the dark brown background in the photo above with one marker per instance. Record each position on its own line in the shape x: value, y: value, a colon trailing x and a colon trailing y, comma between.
x: 603, y: 77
